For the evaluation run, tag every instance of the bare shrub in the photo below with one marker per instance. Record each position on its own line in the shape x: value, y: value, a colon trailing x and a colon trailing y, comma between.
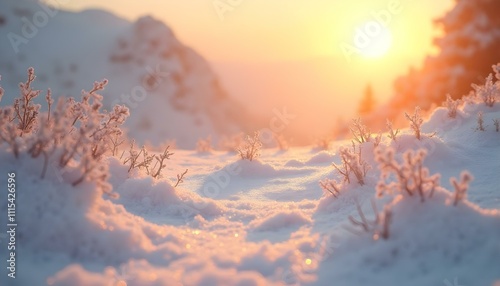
x: 251, y: 147
x: 416, y: 122
x: 412, y: 178
x: 133, y: 159
x: 142, y: 160
x: 116, y: 142
x: 180, y: 178
x: 73, y: 131
x: 161, y: 162
x: 352, y: 163
x: 359, y: 131
x: 392, y: 133
x: 461, y: 187
x: 73, y: 134
x: 496, y: 123
x: 331, y: 186
x: 452, y: 106
x: 26, y: 112
x: 379, y: 226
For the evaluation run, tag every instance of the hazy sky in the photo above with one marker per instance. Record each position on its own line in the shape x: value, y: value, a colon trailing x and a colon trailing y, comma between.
x: 257, y: 30
x: 288, y: 52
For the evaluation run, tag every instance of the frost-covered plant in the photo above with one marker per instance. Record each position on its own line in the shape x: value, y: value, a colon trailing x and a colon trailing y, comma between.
x: 133, y: 158
x: 93, y: 130
x: 352, y: 164
x: 142, y: 160
x: 161, y: 162
x: 392, y: 133
x: 204, y: 145
x: 412, y: 178
x: 26, y: 112
x: 75, y: 132
x: 416, y: 122
x: 496, y: 123
x: 489, y: 91
x: 360, y: 132
x: 461, y: 187
x: 180, y: 178
x: 379, y: 226
x: 116, y: 142
x: 139, y: 159
x: 480, y: 122
x: 452, y: 106
x: 331, y: 186
x: 251, y: 147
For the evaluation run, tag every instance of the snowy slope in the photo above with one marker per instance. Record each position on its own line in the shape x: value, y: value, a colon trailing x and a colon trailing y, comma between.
x: 265, y: 222
x: 171, y: 89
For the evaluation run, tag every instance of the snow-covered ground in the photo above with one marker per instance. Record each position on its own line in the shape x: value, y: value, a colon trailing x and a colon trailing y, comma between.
x: 264, y: 222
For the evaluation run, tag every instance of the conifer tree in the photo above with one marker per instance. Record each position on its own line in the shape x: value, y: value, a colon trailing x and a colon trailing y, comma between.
x: 468, y: 48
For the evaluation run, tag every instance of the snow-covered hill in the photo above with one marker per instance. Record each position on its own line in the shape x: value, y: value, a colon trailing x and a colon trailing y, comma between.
x: 171, y: 90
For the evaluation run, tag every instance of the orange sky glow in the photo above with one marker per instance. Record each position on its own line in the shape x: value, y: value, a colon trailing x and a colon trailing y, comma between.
x: 298, y: 53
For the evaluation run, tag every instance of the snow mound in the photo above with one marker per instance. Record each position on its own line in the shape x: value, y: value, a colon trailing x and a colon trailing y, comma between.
x: 425, y: 239
x: 141, y: 273
x: 281, y: 220
x: 320, y: 158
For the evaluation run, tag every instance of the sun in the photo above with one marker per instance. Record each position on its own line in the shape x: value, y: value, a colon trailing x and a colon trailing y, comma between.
x: 373, y: 39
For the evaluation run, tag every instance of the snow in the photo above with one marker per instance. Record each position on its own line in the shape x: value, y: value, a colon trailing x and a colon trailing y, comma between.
x: 233, y: 221
x: 265, y: 222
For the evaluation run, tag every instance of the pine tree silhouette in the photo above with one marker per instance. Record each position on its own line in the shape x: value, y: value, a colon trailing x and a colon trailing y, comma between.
x: 468, y: 48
